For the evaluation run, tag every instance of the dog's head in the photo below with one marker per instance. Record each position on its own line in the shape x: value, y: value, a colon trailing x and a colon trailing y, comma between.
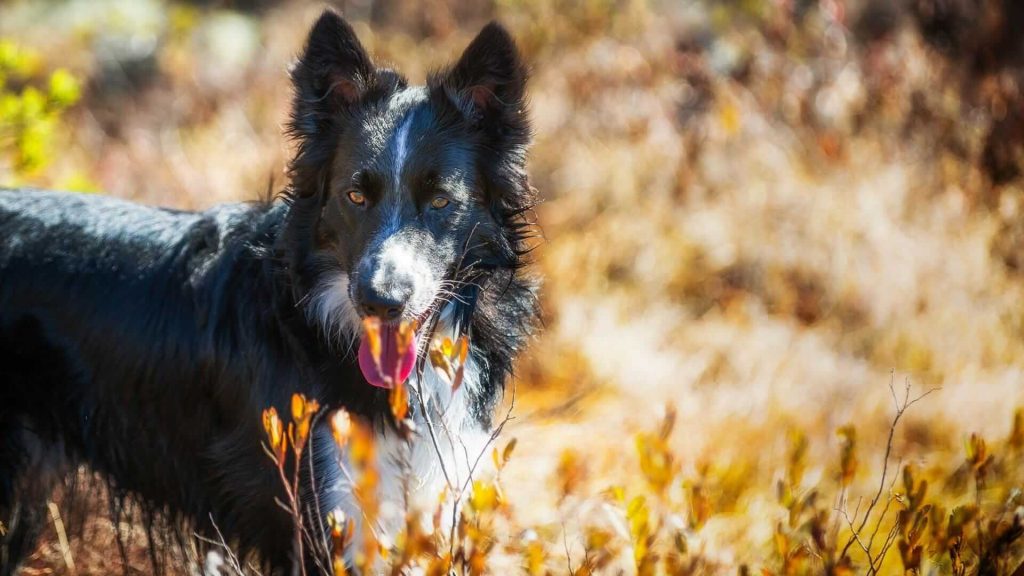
x: 417, y: 192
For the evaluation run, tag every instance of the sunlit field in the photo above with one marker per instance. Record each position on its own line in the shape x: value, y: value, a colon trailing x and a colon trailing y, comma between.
x: 782, y: 264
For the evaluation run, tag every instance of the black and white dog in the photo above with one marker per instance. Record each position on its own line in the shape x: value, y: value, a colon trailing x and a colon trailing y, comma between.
x: 144, y: 342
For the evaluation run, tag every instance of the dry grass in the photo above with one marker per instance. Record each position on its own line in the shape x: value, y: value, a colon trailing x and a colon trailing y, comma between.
x: 751, y: 221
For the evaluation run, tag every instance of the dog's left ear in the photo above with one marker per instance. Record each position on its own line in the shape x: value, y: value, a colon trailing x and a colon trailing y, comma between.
x: 488, y: 82
x: 332, y: 77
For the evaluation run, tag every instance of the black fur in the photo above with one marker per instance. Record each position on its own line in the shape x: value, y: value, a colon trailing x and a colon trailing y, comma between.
x: 143, y: 342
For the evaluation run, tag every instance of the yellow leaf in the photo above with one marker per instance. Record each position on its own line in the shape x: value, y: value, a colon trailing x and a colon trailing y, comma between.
x: 656, y: 460
x: 439, y: 566
x: 534, y: 558
x: 484, y: 496
x: 506, y: 454
x: 729, y: 117
x: 571, y: 472
x: 847, y: 454
x: 64, y: 88
x: 597, y: 539
x: 1016, y: 439
x: 700, y: 506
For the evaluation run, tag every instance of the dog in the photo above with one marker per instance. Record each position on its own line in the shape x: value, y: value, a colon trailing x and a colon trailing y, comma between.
x: 143, y: 343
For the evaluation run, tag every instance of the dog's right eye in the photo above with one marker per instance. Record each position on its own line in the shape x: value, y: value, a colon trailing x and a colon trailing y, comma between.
x: 356, y: 197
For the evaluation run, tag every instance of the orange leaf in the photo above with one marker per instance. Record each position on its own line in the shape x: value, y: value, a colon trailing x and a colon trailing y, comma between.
x: 404, y: 336
x: 338, y: 565
x: 449, y: 358
x: 303, y: 410
x: 298, y: 406
x: 268, y: 421
x: 371, y: 327
x: 457, y: 381
x: 399, y: 401
x: 275, y: 433
x: 439, y: 359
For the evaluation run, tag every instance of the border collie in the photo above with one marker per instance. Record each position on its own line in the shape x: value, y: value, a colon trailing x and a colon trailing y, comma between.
x: 143, y: 343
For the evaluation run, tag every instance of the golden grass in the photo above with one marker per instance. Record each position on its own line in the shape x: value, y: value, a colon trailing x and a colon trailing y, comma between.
x: 759, y: 234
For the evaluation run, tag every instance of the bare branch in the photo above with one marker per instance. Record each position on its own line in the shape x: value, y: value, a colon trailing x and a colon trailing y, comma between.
x: 430, y: 430
x: 901, y: 408
x: 888, y: 504
x: 231, y: 557
x: 568, y: 557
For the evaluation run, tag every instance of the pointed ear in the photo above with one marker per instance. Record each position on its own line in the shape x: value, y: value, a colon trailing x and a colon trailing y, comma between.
x: 332, y: 75
x: 488, y: 82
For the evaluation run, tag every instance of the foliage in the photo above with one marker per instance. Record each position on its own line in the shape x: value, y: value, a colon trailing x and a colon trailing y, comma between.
x: 900, y: 524
x: 32, y: 103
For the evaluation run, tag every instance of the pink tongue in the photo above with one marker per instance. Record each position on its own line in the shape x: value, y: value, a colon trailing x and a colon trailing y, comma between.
x: 395, y: 364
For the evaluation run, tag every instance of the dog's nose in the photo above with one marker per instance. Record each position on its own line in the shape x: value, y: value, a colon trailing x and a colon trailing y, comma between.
x: 377, y: 304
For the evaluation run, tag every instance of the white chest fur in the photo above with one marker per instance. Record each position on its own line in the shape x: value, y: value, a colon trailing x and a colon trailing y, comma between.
x: 441, y: 457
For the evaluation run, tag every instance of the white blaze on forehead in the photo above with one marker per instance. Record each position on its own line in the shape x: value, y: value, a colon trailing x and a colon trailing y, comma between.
x: 405, y: 104
x: 401, y: 145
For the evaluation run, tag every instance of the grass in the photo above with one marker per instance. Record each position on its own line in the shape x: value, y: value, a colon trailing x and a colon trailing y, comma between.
x: 758, y: 226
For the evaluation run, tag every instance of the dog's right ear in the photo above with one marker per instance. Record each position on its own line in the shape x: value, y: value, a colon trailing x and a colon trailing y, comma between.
x: 331, y: 77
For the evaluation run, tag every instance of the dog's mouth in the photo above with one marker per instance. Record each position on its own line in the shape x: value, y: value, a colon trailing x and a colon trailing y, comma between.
x: 387, y: 351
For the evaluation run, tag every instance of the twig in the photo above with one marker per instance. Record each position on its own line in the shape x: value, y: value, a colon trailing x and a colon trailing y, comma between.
x: 232, y: 558
x: 494, y: 436
x: 430, y: 430
x: 352, y: 485
x: 888, y: 503
x: 855, y: 537
x: 900, y: 410
x: 62, y: 537
x: 325, y: 549
x: 568, y: 557
x: 451, y: 443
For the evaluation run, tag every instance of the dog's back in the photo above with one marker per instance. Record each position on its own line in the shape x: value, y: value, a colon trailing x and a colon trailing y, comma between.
x: 113, y: 326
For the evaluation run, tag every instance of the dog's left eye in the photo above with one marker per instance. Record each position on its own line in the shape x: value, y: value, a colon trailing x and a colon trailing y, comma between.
x: 438, y: 202
x: 356, y: 197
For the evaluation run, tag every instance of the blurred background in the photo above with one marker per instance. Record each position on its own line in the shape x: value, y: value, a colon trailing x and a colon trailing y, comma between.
x: 758, y: 216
